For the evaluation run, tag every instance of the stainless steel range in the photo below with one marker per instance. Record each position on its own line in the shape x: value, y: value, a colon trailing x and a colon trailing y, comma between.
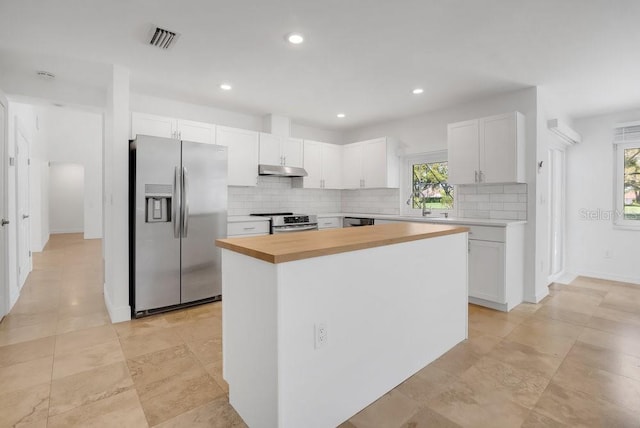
x: 289, y: 222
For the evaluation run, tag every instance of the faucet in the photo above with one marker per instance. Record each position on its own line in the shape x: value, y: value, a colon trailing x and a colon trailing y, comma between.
x: 425, y: 211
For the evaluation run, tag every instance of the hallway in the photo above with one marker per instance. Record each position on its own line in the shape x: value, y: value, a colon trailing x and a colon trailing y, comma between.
x: 63, y: 364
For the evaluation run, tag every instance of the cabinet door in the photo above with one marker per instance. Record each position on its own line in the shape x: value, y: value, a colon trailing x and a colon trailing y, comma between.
x: 292, y: 149
x: 352, y: 166
x: 486, y: 270
x: 498, y: 160
x: 331, y: 165
x: 149, y: 124
x: 463, y: 152
x: 197, y: 132
x: 270, y: 149
x: 313, y: 164
x: 374, y: 163
x: 242, y: 155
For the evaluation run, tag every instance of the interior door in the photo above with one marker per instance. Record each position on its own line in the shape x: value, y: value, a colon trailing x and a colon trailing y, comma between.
x: 205, y: 209
x: 4, y: 279
x: 22, y: 205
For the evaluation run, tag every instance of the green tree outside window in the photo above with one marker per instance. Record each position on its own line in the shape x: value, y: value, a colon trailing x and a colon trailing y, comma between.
x: 430, y: 182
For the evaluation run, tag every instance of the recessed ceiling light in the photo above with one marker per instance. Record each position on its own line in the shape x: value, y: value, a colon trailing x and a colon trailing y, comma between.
x: 417, y: 91
x: 295, y: 38
x: 340, y: 115
x: 225, y: 87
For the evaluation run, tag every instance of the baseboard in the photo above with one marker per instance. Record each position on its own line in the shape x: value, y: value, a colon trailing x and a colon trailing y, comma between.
x: 537, y: 298
x: 117, y: 314
x: 610, y: 277
x: 61, y: 231
x: 564, y: 278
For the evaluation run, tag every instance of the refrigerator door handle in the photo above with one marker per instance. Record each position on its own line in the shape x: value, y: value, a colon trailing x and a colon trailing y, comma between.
x: 185, y: 202
x: 177, y: 200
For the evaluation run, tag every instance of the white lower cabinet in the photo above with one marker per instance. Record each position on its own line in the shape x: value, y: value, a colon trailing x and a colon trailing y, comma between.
x: 247, y: 228
x: 329, y: 222
x: 496, y: 266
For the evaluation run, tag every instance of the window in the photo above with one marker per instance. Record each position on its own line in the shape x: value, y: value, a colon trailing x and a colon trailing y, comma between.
x: 426, y: 183
x: 627, y: 200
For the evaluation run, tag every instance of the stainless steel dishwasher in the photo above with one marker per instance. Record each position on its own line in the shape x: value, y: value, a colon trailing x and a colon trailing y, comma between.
x: 357, y: 221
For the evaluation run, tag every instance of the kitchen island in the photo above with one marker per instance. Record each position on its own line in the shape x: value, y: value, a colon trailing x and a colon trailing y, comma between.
x: 317, y: 325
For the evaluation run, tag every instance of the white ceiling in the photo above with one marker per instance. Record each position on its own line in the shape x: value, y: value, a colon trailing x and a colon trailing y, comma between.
x: 360, y: 57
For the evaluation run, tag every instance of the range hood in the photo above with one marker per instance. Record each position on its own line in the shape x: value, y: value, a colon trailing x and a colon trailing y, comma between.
x: 280, y: 126
x: 281, y: 171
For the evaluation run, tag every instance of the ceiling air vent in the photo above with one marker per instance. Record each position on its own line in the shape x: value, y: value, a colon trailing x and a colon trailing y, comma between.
x: 164, y: 39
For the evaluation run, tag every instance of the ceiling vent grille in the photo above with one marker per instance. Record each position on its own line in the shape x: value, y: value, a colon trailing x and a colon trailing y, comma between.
x: 164, y: 39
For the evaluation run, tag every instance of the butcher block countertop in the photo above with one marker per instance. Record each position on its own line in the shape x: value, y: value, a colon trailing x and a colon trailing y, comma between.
x: 288, y: 247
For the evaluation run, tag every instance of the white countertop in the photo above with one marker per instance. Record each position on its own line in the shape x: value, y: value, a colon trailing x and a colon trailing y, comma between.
x: 439, y: 220
x: 450, y: 220
x: 245, y: 218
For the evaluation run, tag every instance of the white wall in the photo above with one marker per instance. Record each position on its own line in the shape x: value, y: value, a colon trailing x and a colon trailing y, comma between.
x: 590, y: 187
x: 66, y: 191
x: 428, y: 132
x: 116, y: 201
x: 316, y: 134
x: 75, y: 136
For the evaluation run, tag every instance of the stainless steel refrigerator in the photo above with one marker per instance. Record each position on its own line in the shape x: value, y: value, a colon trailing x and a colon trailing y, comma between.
x: 177, y: 209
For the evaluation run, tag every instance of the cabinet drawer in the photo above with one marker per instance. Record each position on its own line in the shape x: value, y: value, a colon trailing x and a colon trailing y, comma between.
x: 329, y: 222
x: 487, y: 233
x: 248, y: 228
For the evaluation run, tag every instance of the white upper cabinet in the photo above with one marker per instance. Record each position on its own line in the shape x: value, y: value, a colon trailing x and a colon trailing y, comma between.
x: 487, y: 150
x: 371, y: 164
x: 197, y: 132
x: 331, y: 166
x: 149, y: 124
x: 323, y: 163
x: 168, y: 127
x: 242, y: 155
x: 278, y: 150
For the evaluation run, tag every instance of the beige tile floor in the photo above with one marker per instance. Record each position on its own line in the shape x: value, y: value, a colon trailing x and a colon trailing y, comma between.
x: 573, y: 360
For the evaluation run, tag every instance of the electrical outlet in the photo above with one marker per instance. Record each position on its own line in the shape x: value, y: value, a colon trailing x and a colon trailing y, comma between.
x: 608, y: 254
x: 321, y: 335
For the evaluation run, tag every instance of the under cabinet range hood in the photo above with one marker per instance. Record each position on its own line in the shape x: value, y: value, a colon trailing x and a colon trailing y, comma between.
x: 281, y: 171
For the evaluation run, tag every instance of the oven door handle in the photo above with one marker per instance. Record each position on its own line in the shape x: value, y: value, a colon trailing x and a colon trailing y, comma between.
x: 295, y: 228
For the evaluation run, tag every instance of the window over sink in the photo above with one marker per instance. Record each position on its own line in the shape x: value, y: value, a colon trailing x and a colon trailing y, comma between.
x: 425, y: 185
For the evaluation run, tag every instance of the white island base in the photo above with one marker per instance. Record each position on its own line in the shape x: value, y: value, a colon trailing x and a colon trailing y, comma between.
x: 388, y: 311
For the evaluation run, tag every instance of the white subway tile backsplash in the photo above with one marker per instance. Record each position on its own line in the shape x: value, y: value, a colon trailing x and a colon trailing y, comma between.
x: 515, y: 188
x: 508, y: 201
x: 496, y: 201
x: 491, y: 188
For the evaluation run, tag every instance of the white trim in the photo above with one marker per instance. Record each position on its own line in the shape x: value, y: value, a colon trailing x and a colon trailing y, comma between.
x: 4, y: 193
x: 609, y: 277
x: 117, y: 314
x: 60, y: 231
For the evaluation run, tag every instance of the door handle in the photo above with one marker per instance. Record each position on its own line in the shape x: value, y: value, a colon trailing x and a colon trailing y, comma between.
x: 185, y: 202
x: 177, y: 200
x: 24, y: 216
x: 4, y: 222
